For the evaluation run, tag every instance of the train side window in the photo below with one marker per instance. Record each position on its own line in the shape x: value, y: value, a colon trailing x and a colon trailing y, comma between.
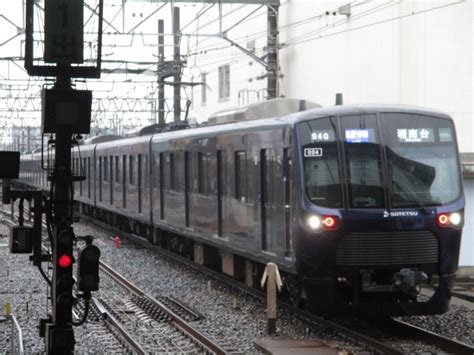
x: 111, y: 188
x: 124, y: 169
x: 145, y: 171
x: 139, y: 181
x: 161, y: 174
x: 173, y: 174
x: 106, y: 168
x: 85, y: 175
x: 208, y: 174
x: 111, y: 170
x: 204, y: 173
x: 89, y: 177
x: 124, y: 181
x: 240, y: 169
x: 100, y: 178
x: 156, y: 170
x: 200, y: 173
x: 117, y: 175
x: 130, y: 169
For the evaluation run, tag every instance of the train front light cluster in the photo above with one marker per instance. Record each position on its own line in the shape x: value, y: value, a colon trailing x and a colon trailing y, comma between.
x: 453, y: 219
x: 317, y: 223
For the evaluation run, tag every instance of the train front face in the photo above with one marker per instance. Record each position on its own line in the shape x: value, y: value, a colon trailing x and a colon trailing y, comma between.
x: 381, y: 214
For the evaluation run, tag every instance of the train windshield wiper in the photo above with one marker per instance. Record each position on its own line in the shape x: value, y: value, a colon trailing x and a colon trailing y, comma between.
x: 413, y: 198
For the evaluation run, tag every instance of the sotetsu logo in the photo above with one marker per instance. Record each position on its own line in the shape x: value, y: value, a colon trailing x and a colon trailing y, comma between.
x: 387, y: 214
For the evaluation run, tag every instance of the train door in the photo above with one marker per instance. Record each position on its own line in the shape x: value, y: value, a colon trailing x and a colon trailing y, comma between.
x: 100, y: 179
x: 269, y: 216
x: 263, y: 197
x: 287, y: 199
x: 219, y: 192
x: 139, y: 182
x: 89, y: 178
x: 162, y: 182
x: 124, y: 181
x: 186, y: 186
x: 111, y: 179
x: 83, y: 167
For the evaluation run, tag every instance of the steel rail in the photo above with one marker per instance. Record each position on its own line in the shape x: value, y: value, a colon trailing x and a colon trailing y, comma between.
x: 360, y: 338
x: 436, y: 339
x: 109, y: 318
x: 444, y: 343
x: 175, y: 318
x: 20, y: 335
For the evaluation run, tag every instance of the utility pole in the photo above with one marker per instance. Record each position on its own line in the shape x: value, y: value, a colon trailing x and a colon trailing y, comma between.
x: 177, y: 60
x: 272, y: 51
x: 161, y: 81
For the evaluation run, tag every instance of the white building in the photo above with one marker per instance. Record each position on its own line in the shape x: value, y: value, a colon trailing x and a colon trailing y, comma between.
x: 403, y: 52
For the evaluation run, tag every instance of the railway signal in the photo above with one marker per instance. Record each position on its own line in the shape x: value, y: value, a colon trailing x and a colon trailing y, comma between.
x: 88, y: 269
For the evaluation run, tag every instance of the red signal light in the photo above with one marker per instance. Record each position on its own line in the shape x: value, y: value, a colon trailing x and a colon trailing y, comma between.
x: 331, y: 222
x: 65, y: 261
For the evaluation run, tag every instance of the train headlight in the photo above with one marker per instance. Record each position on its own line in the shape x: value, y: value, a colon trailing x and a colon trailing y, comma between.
x: 455, y: 218
x: 447, y: 219
x: 314, y: 222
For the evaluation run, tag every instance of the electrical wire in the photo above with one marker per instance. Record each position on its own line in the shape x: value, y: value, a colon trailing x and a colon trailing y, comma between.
x: 376, y: 23
x: 86, y: 313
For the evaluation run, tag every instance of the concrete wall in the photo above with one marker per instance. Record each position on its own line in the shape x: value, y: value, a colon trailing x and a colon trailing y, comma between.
x: 467, y: 245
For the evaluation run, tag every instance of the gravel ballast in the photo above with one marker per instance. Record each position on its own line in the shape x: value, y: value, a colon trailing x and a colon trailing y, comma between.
x: 231, y: 317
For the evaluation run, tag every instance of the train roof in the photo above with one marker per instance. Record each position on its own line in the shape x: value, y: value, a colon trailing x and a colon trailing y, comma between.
x: 367, y: 108
x: 276, y: 122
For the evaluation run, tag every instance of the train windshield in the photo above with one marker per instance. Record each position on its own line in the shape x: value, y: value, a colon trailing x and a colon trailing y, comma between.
x: 321, y: 164
x: 421, y: 160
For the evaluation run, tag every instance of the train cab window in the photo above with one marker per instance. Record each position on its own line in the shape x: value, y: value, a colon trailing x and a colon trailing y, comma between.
x: 320, y: 161
x: 241, y: 177
x: 130, y: 169
x: 422, y: 159
x: 363, y: 163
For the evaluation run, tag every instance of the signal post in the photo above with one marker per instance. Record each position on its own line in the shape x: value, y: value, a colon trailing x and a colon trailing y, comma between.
x: 65, y: 112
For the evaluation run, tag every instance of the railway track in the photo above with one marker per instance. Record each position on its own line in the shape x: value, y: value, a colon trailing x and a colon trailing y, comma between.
x: 155, y: 313
x: 164, y: 320
x: 402, y: 331
x: 181, y: 313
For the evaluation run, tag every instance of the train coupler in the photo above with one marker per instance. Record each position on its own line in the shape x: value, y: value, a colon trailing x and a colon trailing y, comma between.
x: 407, y: 281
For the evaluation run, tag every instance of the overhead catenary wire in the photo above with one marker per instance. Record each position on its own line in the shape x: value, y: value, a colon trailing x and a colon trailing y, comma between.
x: 414, y: 13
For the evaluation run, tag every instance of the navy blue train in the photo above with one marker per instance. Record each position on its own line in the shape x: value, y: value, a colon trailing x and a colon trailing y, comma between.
x: 359, y: 206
